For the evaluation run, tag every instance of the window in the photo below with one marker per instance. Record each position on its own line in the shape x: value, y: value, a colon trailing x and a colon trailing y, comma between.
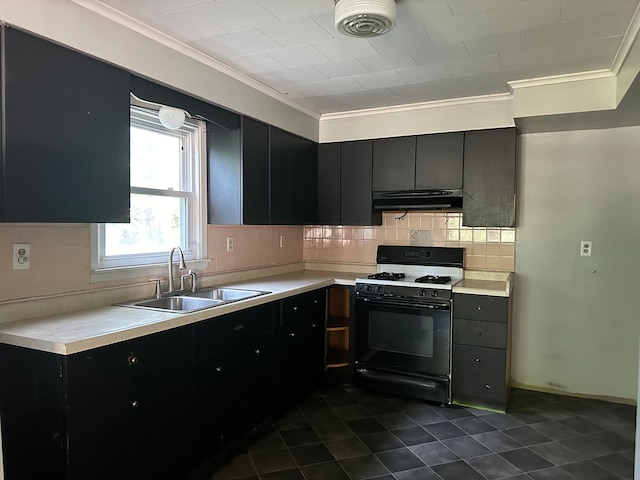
x: 167, y: 205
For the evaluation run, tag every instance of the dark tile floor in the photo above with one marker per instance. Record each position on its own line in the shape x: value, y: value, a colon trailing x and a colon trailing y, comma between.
x: 343, y: 433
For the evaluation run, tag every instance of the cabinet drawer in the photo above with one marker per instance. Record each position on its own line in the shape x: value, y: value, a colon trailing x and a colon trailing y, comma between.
x: 479, y: 333
x: 226, y: 330
x: 307, y: 308
x: 481, y: 307
x: 94, y: 371
x: 479, y: 372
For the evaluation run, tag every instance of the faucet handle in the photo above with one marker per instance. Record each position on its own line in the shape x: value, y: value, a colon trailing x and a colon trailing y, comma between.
x: 158, y: 293
x: 194, y: 279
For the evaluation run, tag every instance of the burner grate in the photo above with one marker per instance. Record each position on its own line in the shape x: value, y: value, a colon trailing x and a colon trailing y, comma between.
x: 386, y: 276
x: 437, y: 279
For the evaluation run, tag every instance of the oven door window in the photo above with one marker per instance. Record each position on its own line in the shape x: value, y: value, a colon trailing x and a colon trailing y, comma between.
x: 403, y: 333
x: 402, y: 338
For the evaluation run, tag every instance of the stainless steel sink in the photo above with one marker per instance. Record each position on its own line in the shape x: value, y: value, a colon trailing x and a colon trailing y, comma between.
x: 226, y: 294
x: 179, y: 304
x: 192, y: 302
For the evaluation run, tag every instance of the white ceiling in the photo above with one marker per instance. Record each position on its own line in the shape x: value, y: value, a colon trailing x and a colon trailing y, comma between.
x: 439, y: 49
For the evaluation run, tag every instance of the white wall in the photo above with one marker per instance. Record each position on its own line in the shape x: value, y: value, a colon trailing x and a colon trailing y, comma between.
x: 576, y: 324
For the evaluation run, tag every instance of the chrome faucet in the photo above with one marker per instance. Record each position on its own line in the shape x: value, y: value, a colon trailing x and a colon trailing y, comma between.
x: 182, y: 266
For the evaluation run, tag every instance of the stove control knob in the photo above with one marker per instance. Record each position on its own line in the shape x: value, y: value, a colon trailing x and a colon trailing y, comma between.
x: 434, y: 293
x: 379, y: 289
x: 423, y: 292
x: 368, y: 289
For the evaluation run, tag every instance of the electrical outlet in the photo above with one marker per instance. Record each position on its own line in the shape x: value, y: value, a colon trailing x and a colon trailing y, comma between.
x: 585, y: 248
x: 229, y: 244
x: 281, y: 241
x: 21, y: 256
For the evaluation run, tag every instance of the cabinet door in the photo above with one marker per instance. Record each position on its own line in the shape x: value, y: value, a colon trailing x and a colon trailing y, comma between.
x: 255, y: 172
x: 489, y: 178
x: 280, y: 177
x: 439, y: 161
x: 478, y: 375
x: 304, y: 181
x: 356, y: 207
x: 66, y: 147
x: 329, y: 184
x: 394, y: 164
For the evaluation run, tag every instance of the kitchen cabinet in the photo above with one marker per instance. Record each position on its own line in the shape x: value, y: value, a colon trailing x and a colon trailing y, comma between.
x: 489, y: 178
x: 294, y: 179
x: 233, y: 378
x: 481, y: 351
x: 344, y: 184
x: 106, y: 413
x: 301, y: 349
x: 339, y: 308
x: 261, y: 175
x: 423, y: 162
x: 66, y: 134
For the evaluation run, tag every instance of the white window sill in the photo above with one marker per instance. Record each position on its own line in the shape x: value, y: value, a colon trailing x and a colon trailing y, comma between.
x: 159, y: 270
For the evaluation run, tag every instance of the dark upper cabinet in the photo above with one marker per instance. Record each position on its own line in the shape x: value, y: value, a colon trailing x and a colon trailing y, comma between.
x: 293, y: 179
x: 66, y: 134
x: 489, y: 178
x: 344, y: 184
x: 394, y: 163
x: 261, y: 175
x: 329, y: 183
x: 439, y: 161
x: 423, y: 162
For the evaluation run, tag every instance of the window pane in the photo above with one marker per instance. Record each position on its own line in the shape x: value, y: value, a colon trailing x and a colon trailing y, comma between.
x: 154, y: 228
x: 155, y: 159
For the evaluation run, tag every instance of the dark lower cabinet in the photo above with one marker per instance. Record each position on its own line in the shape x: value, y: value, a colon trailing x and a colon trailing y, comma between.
x: 301, y: 348
x: 106, y: 413
x: 232, y: 378
x: 481, y: 351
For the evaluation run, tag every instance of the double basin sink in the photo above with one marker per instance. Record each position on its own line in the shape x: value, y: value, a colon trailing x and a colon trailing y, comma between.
x: 194, y: 301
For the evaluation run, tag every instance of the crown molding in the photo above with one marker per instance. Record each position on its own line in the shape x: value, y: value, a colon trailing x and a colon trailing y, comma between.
x: 560, y: 79
x: 135, y: 25
x: 627, y: 42
x: 452, y: 102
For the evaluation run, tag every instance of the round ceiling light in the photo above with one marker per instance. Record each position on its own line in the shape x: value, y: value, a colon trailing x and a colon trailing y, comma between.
x: 365, y: 18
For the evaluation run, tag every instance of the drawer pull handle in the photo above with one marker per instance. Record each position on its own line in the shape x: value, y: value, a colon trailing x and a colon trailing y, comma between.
x: 238, y: 327
x: 479, y: 308
x: 295, y: 309
x: 132, y: 360
x: 313, y: 325
x: 477, y: 360
x: 478, y: 333
x: 258, y: 352
x: 487, y: 386
x: 292, y: 334
x: 315, y: 301
x: 218, y: 369
x: 135, y: 404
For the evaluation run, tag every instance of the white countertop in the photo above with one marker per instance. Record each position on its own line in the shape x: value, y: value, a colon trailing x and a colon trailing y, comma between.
x: 77, y: 331
x: 485, y: 283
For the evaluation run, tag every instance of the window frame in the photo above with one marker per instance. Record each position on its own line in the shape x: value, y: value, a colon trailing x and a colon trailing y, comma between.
x: 193, y: 188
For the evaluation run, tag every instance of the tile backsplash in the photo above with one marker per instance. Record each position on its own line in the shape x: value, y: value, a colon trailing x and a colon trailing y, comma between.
x: 485, y: 248
x: 60, y: 256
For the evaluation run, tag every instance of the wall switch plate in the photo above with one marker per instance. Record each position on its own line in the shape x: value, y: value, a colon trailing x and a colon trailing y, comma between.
x: 21, y: 256
x: 229, y: 244
x: 281, y: 241
x: 585, y: 248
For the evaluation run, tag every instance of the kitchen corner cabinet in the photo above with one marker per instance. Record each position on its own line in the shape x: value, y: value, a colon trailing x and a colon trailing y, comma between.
x: 294, y: 179
x: 66, y: 143
x: 423, y: 162
x: 110, y: 412
x: 339, y: 308
x: 481, y: 351
x: 345, y: 184
x: 301, y: 348
x: 489, y: 178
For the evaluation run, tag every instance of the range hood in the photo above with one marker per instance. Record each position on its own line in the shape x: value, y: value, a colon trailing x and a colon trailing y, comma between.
x: 418, y: 200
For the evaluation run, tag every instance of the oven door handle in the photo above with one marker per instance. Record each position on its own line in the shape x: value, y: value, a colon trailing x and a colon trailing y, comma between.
x: 391, y: 303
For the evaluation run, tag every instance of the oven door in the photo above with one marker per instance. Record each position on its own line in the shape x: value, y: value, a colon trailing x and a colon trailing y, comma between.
x: 396, y: 337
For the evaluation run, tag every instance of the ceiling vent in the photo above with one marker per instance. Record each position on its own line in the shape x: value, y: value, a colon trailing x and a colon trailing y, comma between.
x: 365, y: 18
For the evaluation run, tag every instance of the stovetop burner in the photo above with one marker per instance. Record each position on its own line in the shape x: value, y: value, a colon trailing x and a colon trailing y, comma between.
x: 386, y: 276
x: 435, y: 279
